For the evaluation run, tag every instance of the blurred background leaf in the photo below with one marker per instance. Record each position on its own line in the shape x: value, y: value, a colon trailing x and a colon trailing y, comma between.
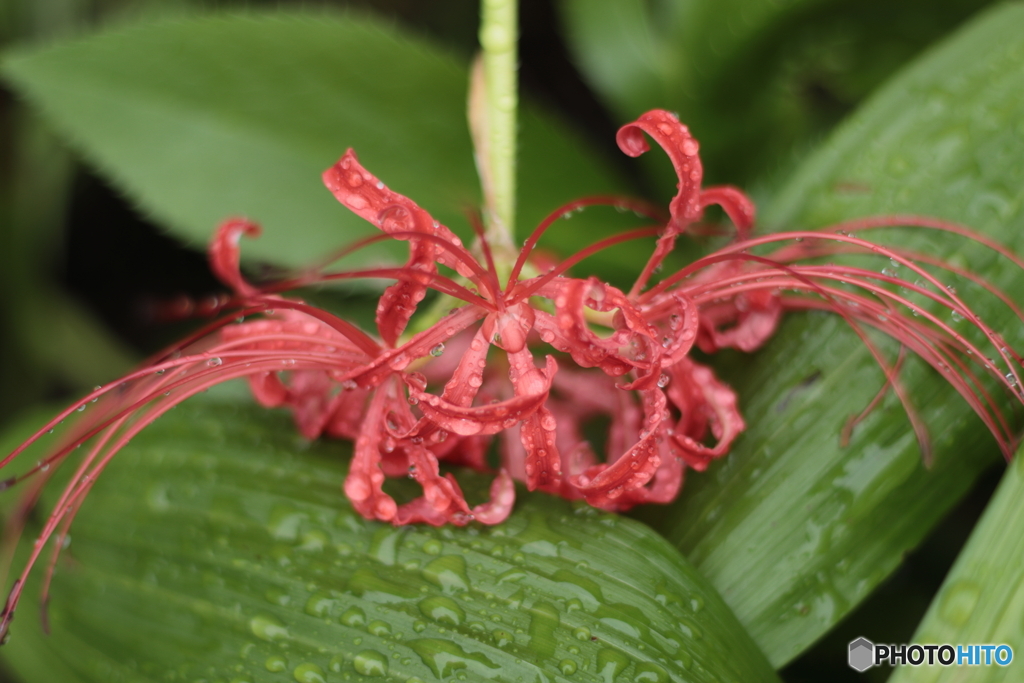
x: 202, y: 119
x: 757, y: 81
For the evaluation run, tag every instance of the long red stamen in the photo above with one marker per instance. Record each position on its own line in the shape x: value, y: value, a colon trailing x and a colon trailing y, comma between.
x: 960, y: 307
x: 527, y: 289
x: 919, y: 337
x: 492, y: 270
x: 637, y: 206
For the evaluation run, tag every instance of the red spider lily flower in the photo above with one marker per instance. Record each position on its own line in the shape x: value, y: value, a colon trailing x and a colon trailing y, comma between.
x: 606, y: 352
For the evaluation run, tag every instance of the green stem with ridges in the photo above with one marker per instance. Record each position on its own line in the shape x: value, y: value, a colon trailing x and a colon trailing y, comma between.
x: 496, y: 160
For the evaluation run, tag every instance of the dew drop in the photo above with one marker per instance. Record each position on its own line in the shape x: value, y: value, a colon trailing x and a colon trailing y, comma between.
x: 442, y: 610
x: 611, y: 663
x: 448, y: 573
x: 276, y: 663
x: 437, y: 350
x: 356, y: 202
x: 277, y: 596
x: 649, y: 672
x: 371, y: 663
x: 266, y: 627
x: 214, y: 362
x: 958, y: 601
x: 354, y: 617
x: 318, y: 605
x: 379, y: 628
x: 664, y: 380
x: 309, y: 673
x: 502, y: 638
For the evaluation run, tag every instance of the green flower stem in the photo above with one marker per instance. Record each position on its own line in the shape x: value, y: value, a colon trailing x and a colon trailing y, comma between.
x: 496, y: 132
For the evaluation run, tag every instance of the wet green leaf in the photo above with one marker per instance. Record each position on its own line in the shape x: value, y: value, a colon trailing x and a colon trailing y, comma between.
x: 202, y: 119
x: 982, y: 599
x: 219, y: 546
x: 793, y: 529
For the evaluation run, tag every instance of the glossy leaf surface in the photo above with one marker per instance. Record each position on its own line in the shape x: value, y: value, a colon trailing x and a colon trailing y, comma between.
x: 982, y: 598
x: 793, y: 529
x: 219, y: 546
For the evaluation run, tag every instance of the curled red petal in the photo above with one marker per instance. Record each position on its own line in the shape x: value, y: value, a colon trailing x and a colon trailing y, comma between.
x: 367, y: 197
x: 224, y: 258
x: 605, y: 485
x: 704, y: 402
x: 486, y: 419
x: 543, y: 465
x: 268, y: 389
x: 678, y: 318
x: 494, y: 511
x: 468, y: 377
x: 459, y: 391
x: 365, y: 481
x: 632, y: 346
x: 345, y: 415
x: 311, y: 394
x: 736, y: 205
x: 442, y: 499
x: 399, y: 301
x: 503, y: 497
x: 664, y: 485
x: 674, y: 137
x: 744, y: 322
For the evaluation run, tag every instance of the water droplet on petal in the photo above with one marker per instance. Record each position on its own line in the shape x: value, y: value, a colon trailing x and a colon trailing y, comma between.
x: 356, y: 202
x: 437, y: 350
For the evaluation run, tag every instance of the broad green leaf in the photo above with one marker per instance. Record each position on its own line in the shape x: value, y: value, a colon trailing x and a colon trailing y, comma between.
x: 793, y: 529
x: 982, y: 599
x: 219, y: 547
x: 757, y: 80
x: 207, y: 118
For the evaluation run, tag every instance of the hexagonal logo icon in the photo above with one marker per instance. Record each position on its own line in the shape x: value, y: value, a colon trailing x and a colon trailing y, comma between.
x: 862, y: 654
